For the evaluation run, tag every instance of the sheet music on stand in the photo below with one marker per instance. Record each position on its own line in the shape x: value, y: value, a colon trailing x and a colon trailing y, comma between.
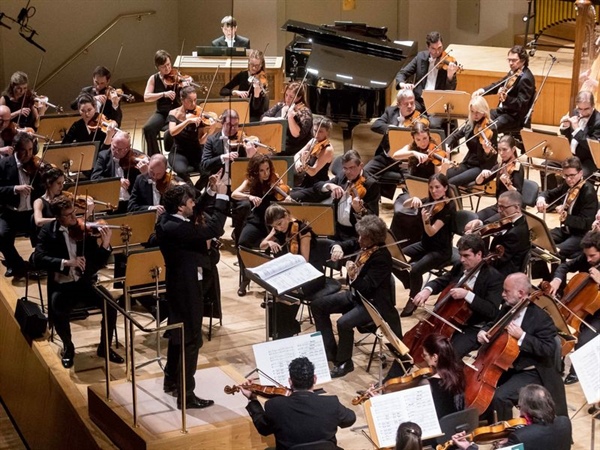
x: 274, y: 357
x: 384, y: 413
x: 586, y: 361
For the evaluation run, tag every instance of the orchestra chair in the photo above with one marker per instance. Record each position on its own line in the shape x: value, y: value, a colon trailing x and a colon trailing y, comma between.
x: 465, y: 420
x: 315, y: 445
x: 364, y: 141
x: 530, y: 192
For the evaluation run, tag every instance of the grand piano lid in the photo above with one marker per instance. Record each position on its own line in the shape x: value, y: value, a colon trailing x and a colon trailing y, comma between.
x: 349, y: 59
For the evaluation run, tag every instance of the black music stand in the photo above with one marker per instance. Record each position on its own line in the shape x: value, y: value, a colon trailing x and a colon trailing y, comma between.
x: 555, y: 149
x: 68, y: 156
x: 451, y: 104
x: 543, y: 248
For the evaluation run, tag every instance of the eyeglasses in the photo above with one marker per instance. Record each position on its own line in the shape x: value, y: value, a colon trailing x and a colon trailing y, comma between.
x: 503, y: 207
x: 512, y: 60
x: 570, y: 175
x: 121, y: 149
x: 71, y: 214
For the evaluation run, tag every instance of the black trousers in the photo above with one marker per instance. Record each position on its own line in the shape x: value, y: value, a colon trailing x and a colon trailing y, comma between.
x: 10, y: 223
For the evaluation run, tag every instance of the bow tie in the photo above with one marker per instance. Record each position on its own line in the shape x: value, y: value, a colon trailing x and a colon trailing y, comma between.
x: 63, y: 229
x: 151, y: 181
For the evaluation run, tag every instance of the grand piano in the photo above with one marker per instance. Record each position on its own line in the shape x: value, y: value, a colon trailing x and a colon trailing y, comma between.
x: 348, y: 67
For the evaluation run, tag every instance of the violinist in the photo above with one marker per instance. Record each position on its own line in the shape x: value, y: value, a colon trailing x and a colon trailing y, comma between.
x: 435, y: 247
x: 481, y: 292
x: 149, y: 188
x: 107, y: 101
x: 162, y: 90
x: 544, y: 429
x: 408, y: 437
x: 434, y: 73
x: 184, y: 123
x: 510, y: 230
x: 586, y: 263
x: 71, y: 274
x: 509, y: 174
x: 535, y: 333
x: 403, y: 114
x: 312, y: 163
x: 230, y: 37
x: 54, y: 180
x: 20, y: 100
x: 289, y: 235
x: 303, y: 417
x: 354, y: 196
x: 257, y: 191
x: 371, y: 276
x: 516, y: 92
x: 481, y: 140
x: 88, y: 128
x: 251, y: 84
x: 120, y: 161
x: 299, y: 118
x: 420, y: 163
x: 7, y: 131
x: 581, y: 125
x: 577, y: 206
x: 19, y: 187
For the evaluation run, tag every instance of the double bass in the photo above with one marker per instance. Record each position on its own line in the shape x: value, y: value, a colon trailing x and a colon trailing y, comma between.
x: 455, y: 313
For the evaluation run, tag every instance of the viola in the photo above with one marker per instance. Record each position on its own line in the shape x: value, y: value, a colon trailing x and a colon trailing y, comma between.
x: 259, y: 389
x: 495, y: 432
x: 396, y: 384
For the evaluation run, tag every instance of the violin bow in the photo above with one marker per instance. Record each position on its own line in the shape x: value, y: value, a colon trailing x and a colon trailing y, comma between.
x: 503, y: 165
x: 273, y: 185
x: 437, y: 316
x: 44, y: 148
x: 296, y: 94
x: 570, y: 311
x: 479, y: 132
x: 77, y: 179
x: 502, y: 81
x: 352, y: 255
x: 424, y: 205
x: 426, y: 109
x: 582, y: 182
x: 132, y: 140
x: 37, y: 74
x: 434, y: 67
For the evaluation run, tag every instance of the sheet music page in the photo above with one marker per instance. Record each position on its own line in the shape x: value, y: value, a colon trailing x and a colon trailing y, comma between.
x: 274, y: 357
x: 390, y: 410
x: 277, y: 265
x: 294, y: 277
x: 586, y: 361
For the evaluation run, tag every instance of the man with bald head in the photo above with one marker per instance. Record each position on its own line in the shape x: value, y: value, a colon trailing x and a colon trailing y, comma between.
x: 121, y: 161
x: 146, y: 195
x: 6, y: 148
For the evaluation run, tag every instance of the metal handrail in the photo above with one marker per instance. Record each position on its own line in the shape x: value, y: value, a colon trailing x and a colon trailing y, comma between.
x: 69, y: 60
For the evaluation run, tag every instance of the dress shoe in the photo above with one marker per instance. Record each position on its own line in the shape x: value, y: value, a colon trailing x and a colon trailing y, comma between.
x: 68, y: 356
x: 342, y: 369
x: 571, y: 379
x: 243, y: 288
x: 9, y: 272
x: 593, y: 409
x: 409, y: 309
x: 112, y: 355
x: 170, y: 387
x: 195, y: 403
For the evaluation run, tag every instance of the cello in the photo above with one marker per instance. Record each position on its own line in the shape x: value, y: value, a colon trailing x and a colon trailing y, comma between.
x: 493, y: 359
x: 455, y: 313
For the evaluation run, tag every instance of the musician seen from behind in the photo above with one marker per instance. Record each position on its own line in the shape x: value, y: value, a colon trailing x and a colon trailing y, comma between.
x: 293, y: 109
x: 403, y: 114
x: 107, y: 101
x: 230, y: 37
x: 480, y: 138
x: 250, y: 85
x: 543, y: 429
x: 536, y: 334
x: 509, y: 175
x: 120, y: 161
x: 183, y: 245
x: 586, y: 263
x: 481, y: 291
x: 312, y: 163
x: 516, y: 92
x: 6, y: 137
x: 304, y: 416
x: 370, y: 277
x: 431, y: 71
x: 509, y: 230
x: 579, y: 126
x: 72, y: 257
x: 354, y: 195
x: 576, y: 203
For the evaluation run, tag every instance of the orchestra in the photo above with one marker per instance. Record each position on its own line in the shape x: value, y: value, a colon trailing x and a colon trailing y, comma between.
x: 458, y: 291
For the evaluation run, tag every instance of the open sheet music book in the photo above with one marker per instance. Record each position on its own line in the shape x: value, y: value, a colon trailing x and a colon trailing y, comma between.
x: 586, y: 361
x: 284, y: 273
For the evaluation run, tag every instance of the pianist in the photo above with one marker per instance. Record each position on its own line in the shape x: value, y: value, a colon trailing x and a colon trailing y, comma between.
x: 230, y: 38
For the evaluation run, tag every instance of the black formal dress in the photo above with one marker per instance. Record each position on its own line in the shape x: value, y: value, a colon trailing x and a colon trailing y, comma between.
x: 183, y: 245
x: 79, y: 132
x: 186, y: 153
x: 301, y: 418
x: 591, y: 130
x: 238, y: 41
x: 158, y: 120
x: 258, y: 105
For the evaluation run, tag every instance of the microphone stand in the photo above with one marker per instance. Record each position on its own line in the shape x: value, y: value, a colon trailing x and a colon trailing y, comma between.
x: 538, y: 93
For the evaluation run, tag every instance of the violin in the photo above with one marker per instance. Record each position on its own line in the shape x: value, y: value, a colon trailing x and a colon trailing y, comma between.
x: 175, y: 79
x: 491, y: 433
x: 100, y: 121
x: 81, y: 229
x: 364, y: 256
x: 132, y: 159
x: 485, y: 133
x: 294, y: 243
x: 570, y: 199
x: 8, y: 134
x: 128, y: 97
x: 310, y: 158
x: 82, y: 201
x: 505, y: 172
x: 261, y: 79
x: 32, y: 166
x: 40, y: 101
x: 396, y: 384
x: 259, y: 389
x: 510, y: 82
x: 409, y: 121
x: 281, y: 191
x: 496, y: 227
x: 357, y: 187
x: 209, y: 118
x: 447, y: 60
x: 164, y: 183
x: 31, y: 132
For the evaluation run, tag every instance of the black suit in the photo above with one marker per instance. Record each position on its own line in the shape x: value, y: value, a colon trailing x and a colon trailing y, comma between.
x: 238, y: 41
x: 301, y: 418
x: 516, y: 244
x: 11, y: 220
x: 142, y: 197
x: 374, y: 283
x: 511, y: 113
x: 416, y: 70
x: 213, y: 149
x: 183, y: 245
x: 535, y: 364
x: 579, y: 218
x: 106, y: 167
x: 485, y: 305
x: 49, y: 253
x: 582, y: 151
x: 111, y: 113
